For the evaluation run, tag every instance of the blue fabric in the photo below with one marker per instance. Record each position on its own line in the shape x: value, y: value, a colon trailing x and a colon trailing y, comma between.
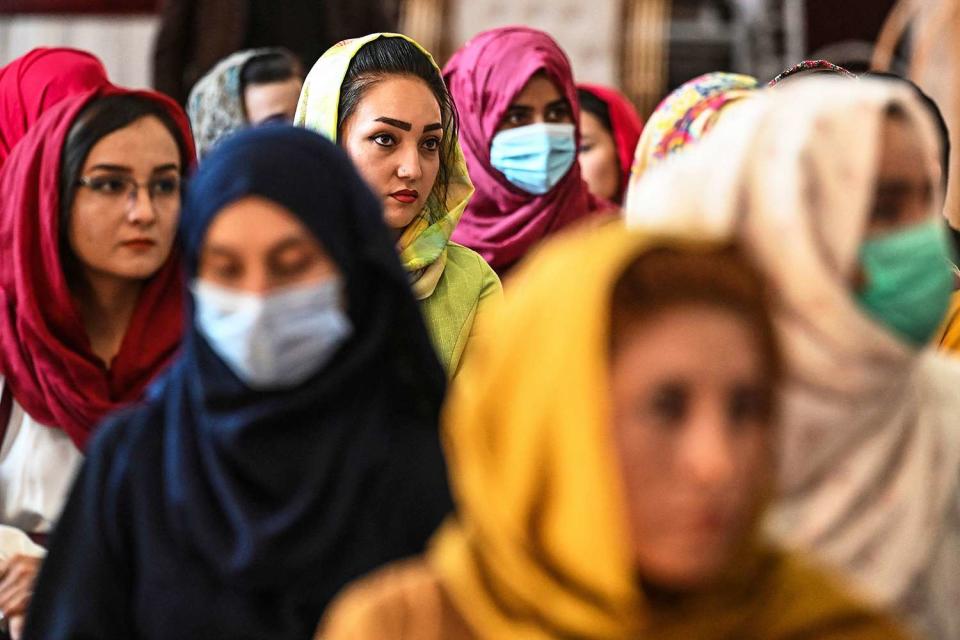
x: 257, y: 507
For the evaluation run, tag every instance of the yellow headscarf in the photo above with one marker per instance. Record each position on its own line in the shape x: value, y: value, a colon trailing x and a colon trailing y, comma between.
x: 539, y: 547
x: 423, y: 244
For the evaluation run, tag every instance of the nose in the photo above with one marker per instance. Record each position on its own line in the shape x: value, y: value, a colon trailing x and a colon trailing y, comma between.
x: 409, y: 167
x: 141, y: 211
x: 708, y: 451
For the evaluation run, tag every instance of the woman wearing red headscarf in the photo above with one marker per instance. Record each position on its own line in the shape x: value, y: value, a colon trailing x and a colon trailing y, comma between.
x: 609, y: 131
x: 36, y: 82
x: 90, y: 295
x: 519, y: 129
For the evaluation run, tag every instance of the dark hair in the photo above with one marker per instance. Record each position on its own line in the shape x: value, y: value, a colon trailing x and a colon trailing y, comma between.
x: 275, y: 66
x: 97, y: 120
x: 724, y: 278
x: 398, y: 56
x: 590, y: 103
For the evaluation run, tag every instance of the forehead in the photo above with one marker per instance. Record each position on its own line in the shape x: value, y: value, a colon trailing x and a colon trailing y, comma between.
x: 401, y: 98
x: 254, y: 223
x: 145, y: 141
x: 903, y: 154
x: 691, y: 341
x: 539, y: 90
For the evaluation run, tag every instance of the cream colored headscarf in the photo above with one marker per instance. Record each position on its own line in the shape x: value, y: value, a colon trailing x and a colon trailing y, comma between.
x: 423, y: 244
x: 871, y: 444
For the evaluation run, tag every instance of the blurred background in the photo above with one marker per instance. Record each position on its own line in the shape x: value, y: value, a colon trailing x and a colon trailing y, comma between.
x: 644, y: 46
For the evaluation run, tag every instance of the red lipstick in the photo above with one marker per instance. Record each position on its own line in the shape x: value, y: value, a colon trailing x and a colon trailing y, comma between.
x: 406, y: 196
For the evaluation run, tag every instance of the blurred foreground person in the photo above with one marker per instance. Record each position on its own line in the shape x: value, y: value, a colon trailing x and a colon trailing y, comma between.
x: 834, y: 188
x: 292, y: 447
x: 628, y: 506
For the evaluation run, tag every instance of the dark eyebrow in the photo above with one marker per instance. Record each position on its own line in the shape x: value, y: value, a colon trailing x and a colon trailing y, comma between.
x: 432, y: 127
x: 219, y: 251
x: 111, y: 167
x: 399, y: 124
x: 166, y: 167
x: 562, y: 102
x: 289, y: 242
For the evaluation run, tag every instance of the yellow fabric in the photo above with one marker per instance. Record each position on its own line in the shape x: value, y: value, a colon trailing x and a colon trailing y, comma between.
x: 455, y: 310
x: 950, y: 332
x: 539, y: 547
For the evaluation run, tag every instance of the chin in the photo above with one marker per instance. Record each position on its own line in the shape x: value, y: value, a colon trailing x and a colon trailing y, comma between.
x: 399, y: 218
x: 687, y: 570
x: 140, y: 269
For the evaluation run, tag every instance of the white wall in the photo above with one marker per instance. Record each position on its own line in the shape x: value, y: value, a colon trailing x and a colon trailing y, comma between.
x: 586, y: 29
x: 123, y: 43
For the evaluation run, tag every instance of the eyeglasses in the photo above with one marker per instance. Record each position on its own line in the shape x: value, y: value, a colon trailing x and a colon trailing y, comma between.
x: 164, y: 192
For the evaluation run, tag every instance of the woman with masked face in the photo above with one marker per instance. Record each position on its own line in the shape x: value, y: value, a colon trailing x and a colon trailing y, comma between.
x: 519, y: 118
x: 834, y: 187
x: 292, y: 447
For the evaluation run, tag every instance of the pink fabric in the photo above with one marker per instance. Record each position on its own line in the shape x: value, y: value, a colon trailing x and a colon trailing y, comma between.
x: 502, y: 223
x: 37, y: 81
x: 45, y: 354
x: 627, y: 127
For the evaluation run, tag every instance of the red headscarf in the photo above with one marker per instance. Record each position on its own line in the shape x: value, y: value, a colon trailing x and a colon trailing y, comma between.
x: 626, y: 125
x: 45, y: 354
x: 503, y: 222
x: 37, y: 81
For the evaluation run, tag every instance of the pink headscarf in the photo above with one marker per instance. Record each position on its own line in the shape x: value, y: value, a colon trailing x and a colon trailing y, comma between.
x: 502, y: 223
x: 37, y: 81
x: 626, y: 125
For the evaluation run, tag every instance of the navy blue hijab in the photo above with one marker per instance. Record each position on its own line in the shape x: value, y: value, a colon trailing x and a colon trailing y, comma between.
x: 275, y: 487
x: 212, y: 510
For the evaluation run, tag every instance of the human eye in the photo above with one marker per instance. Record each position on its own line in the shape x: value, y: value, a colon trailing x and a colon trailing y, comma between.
x: 384, y: 139
x: 669, y: 405
x: 432, y: 144
x: 108, y: 185
x: 747, y: 405
x: 169, y: 186
x: 558, y: 113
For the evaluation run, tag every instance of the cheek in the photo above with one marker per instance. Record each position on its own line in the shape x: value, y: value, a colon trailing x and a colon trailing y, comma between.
x: 373, y: 164
x: 91, y: 232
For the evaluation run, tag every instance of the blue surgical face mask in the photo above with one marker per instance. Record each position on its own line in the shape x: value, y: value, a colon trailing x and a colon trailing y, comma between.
x: 535, y: 157
x: 909, y: 280
x: 277, y: 340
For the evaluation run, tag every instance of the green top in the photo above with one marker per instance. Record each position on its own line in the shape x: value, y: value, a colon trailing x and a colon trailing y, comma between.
x: 466, y: 289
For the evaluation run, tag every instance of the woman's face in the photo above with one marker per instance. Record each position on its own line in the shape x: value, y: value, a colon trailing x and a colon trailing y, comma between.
x: 394, y: 138
x: 539, y: 102
x: 690, y: 425
x: 256, y: 245
x: 905, y: 181
x: 119, y: 230
x: 272, y: 100
x: 599, y: 163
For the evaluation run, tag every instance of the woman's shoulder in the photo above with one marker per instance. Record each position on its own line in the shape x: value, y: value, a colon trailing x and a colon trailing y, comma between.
x: 471, y: 265
x: 804, y: 600
x: 402, y: 601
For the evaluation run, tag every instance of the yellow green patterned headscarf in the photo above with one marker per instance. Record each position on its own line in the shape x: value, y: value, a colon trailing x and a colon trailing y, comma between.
x: 423, y: 244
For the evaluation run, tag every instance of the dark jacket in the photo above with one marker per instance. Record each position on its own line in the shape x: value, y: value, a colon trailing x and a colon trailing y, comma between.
x: 195, y: 34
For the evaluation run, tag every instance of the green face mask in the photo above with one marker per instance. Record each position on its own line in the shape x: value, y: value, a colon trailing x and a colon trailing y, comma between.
x: 909, y: 280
